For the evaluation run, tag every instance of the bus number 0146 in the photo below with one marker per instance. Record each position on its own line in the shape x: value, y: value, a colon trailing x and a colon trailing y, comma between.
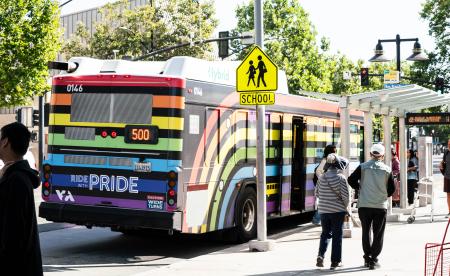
x: 74, y: 88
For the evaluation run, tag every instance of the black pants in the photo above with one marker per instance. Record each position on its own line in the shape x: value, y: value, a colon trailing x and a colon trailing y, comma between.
x: 376, y: 219
x: 412, y: 188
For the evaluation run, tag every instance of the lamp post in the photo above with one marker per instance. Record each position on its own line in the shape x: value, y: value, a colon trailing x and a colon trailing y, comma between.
x: 416, y: 56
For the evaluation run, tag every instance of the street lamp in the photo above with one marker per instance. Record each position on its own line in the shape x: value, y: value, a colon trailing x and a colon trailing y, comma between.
x: 416, y: 56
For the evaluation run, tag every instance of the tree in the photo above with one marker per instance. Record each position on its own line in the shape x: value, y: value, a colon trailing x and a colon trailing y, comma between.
x: 29, y: 38
x: 135, y: 32
x: 290, y: 40
x: 436, y: 13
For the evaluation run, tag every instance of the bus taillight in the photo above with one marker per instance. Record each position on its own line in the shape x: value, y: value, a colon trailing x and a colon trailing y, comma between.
x: 46, y: 186
x: 171, y: 192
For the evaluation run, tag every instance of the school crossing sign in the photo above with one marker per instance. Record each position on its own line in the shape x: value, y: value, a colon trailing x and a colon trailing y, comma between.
x: 256, y: 76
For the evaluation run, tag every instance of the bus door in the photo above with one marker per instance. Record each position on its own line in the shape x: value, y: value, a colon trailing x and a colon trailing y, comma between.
x: 298, y: 168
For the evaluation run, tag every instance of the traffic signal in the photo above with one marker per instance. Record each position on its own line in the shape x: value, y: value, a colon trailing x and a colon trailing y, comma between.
x: 365, y: 77
x: 19, y: 115
x: 223, y: 45
x: 35, y: 117
x: 439, y: 84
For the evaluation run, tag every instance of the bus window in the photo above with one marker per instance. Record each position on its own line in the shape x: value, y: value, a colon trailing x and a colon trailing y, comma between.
x: 111, y: 108
x: 274, y: 131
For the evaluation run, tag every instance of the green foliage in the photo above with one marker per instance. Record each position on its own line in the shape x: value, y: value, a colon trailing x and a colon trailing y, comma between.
x: 290, y: 40
x: 145, y: 29
x: 29, y: 38
x: 436, y: 12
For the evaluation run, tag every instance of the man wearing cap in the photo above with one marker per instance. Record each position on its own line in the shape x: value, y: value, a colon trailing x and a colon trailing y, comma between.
x: 375, y: 183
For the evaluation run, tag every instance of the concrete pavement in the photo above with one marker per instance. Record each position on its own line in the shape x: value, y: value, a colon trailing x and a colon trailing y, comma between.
x: 296, y: 251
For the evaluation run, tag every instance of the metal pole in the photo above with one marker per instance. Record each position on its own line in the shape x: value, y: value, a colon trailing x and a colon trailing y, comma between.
x: 397, y: 42
x: 41, y: 134
x: 261, y: 149
x: 403, y: 162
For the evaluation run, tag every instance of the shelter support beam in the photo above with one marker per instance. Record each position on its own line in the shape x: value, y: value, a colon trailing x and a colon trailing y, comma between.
x: 403, y: 162
x: 345, y: 147
x: 387, y: 145
x: 368, y: 134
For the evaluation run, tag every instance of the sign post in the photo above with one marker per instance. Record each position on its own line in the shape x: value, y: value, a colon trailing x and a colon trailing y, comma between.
x: 257, y: 73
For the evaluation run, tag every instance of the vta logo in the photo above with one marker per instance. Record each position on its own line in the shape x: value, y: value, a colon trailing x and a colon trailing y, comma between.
x: 65, y: 195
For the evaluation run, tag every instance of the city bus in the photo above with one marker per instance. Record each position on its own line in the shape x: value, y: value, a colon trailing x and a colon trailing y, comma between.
x: 166, y: 145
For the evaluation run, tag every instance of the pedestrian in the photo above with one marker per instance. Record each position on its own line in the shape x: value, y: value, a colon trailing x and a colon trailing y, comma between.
x: 413, y: 165
x: 395, y: 166
x: 445, y: 170
x: 19, y: 237
x: 373, y: 179
x: 332, y: 192
x: 395, y: 163
x: 318, y: 171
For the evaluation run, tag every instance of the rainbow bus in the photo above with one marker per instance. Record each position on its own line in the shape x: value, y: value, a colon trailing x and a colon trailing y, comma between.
x: 166, y: 145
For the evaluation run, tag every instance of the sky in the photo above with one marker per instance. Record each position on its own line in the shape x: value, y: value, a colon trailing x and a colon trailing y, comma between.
x: 352, y: 26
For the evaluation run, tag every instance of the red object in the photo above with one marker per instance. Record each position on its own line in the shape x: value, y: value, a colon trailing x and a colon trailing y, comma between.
x: 113, y: 134
x: 46, y: 184
x: 437, y: 257
x: 171, y: 192
x: 104, y: 134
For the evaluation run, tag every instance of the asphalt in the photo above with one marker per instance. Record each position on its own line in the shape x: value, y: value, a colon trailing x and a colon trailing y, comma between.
x: 296, y: 250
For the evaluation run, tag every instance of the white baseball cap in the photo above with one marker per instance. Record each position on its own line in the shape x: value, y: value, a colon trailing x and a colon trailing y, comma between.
x: 377, y: 150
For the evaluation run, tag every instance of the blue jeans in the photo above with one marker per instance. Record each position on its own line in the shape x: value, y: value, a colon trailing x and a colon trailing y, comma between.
x: 332, y: 224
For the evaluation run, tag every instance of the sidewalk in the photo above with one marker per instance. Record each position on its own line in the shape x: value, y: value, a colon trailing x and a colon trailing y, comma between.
x: 296, y: 251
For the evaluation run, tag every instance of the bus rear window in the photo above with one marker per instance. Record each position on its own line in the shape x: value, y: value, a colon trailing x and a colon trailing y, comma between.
x: 111, y: 108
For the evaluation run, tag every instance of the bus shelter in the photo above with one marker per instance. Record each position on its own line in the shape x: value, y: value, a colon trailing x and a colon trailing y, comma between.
x: 392, y: 102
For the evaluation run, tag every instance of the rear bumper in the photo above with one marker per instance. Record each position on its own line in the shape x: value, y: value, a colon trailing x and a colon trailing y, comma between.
x: 109, y: 216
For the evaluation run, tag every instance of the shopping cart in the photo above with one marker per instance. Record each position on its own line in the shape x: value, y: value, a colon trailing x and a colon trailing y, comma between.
x: 425, y: 193
x: 437, y: 257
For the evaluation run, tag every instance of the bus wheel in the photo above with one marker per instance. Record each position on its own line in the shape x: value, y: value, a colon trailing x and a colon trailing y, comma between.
x: 246, y: 215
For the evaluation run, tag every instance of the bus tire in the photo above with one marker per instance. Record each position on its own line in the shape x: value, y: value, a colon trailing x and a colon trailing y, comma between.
x: 246, y: 215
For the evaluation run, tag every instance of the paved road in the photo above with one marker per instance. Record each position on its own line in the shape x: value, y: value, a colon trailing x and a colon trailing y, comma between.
x: 98, y: 251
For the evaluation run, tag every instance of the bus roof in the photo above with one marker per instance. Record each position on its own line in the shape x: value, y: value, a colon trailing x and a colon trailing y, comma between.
x: 222, y: 72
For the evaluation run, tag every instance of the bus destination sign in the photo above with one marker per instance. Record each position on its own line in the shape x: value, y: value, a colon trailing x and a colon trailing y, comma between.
x: 427, y: 118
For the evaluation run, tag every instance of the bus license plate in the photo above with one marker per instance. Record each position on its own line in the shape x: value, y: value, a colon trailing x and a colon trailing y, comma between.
x: 142, y: 167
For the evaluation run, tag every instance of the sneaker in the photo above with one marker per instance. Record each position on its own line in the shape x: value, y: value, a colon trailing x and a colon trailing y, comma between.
x: 374, y: 265
x: 366, y: 263
x: 335, y: 265
x: 319, y: 262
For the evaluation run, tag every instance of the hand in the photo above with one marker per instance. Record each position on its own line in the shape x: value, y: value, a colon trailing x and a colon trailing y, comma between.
x: 441, y: 165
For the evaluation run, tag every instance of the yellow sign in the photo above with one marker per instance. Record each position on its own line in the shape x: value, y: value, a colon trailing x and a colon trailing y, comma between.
x: 254, y: 98
x: 256, y: 73
x: 391, y: 76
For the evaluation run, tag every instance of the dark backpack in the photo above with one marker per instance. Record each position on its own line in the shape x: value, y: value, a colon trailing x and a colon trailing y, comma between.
x: 315, y: 179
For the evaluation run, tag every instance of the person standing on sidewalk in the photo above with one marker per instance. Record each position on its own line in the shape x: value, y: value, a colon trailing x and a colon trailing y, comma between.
x: 444, y: 167
x: 19, y: 237
x: 317, y: 173
x: 375, y: 183
x: 332, y: 192
x: 413, y: 165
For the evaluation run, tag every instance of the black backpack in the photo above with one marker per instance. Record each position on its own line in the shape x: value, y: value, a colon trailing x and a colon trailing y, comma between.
x: 315, y: 179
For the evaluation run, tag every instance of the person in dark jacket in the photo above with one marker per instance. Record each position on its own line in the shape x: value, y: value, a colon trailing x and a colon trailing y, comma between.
x: 375, y: 183
x: 19, y: 237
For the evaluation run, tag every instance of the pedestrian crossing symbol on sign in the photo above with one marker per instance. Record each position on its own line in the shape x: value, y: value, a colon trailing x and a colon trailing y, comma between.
x: 256, y: 73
